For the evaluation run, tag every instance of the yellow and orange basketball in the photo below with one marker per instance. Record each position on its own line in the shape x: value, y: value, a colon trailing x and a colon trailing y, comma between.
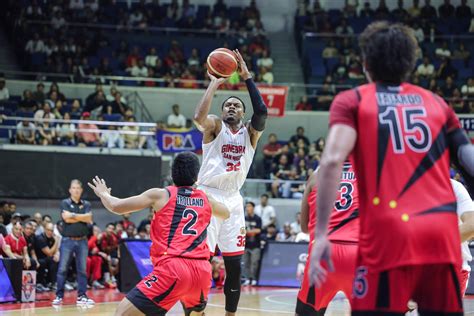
x: 222, y: 62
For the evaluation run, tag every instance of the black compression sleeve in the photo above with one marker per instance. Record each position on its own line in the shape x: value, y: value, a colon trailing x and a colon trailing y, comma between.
x: 260, y: 112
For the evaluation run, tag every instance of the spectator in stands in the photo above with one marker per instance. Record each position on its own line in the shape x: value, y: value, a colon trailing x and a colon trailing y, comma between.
x: 462, y: 53
x: 270, y: 233
x: 266, y: 212
x: 426, y: 69
x: 58, y: 21
x: 448, y: 88
x: 344, y: 28
x: 95, y: 259
x: 188, y: 80
x: 46, y: 248
x: 46, y: 134
x: 132, y: 136
x: 15, y: 246
x: 457, y: 103
x: 39, y: 95
x: 44, y: 113
x: 281, y: 171
x: 285, y: 235
x: 176, y: 119
x: 443, y: 51
x: 265, y: 76
x: 112, y: 138
x: 296, y: 225
x: 399, y: 12
x: 34, y: 11
x: 446, y: 10
x: 366, y: 11
x: 108, y: 244
x: 414, y: 11
x: 428, y: 12
x: 463, y: 11
x: 27, y: 104
x: 4, y: 92
x: 419, y: 33
x: 270, y: 150
x: 25, y: 132
x: 35, y: 45
x: 55, y: 88
x: 446, y: 69
x: 350, y: 8
x: 330, y: 51
x: 58, y: 110
x: 65, y: 131
x: 96, y: 102
x: 304, y: 104
x: 75, y: 108
x: 265, y: 60
x: 29, y: 235
x: 3, y: 229
x: 299, y: 135
x: 135, y: 18
x: 137, y: 68
x: 467, y: 89
x: 152, y: 58
x: 117, y: 106
x: 253, y: 229
x: 88, y: 138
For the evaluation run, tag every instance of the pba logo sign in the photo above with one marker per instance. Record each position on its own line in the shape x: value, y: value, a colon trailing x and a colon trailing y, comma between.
x: 172, y: 141
x: 302, y: 258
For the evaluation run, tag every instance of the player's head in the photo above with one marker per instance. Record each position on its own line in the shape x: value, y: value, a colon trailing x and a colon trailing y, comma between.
x: 233, y: 110
x: 185, y: 169
x: 388, y: 52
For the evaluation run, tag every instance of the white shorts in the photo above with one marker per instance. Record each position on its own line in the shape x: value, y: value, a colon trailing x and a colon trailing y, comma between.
x: 228, y: 234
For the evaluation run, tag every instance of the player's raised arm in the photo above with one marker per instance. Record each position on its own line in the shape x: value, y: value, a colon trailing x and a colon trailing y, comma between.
x: 310, y: 184
x: 136, y: 203
x: 202, y: 119
x: 219, y: 209
x: 260, y: 112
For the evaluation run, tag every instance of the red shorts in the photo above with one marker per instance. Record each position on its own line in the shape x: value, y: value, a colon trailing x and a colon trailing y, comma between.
x: 463, y: 279
x: 434, y: 287
x: 173, y: 279
x: 311, y: 300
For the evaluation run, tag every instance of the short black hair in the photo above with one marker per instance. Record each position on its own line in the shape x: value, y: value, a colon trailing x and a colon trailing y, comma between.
x: 251, y: 203
x: 185, y: 169
x: 233, y: 96
x: 113, y: 224
x: 47, y: 216
x: 388, y: 51
x: 264, y: 195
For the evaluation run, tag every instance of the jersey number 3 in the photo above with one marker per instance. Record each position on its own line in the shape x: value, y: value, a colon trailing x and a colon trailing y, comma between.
x: 345, y: 201
x: 191, y: 216
x: 407, y: 129
x: 232, y: 167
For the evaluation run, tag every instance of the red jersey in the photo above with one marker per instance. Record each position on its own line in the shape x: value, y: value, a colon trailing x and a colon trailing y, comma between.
x: 344, y: 221
x: 180, y: 228
x: 15, y: 244
x: 407, y: 205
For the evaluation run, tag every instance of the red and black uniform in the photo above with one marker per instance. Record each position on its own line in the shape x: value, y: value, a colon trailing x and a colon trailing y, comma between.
x: 180, y: 255
x: 343, y: 233
x: 409, y: 236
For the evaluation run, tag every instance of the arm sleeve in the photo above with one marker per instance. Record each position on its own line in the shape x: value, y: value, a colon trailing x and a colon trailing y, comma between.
x: 259, y: 222
x: 63, y: 206
x: 344, y: 109
x: 260, y: 111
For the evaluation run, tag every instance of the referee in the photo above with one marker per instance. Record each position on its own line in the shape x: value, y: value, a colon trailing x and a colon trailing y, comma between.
x: 76, y: 214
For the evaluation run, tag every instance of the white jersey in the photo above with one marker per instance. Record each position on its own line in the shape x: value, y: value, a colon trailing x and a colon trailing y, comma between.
x: 226, y: 160
x: 464, y: 204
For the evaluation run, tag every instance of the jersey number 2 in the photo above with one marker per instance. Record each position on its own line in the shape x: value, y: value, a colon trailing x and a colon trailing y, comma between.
x: 192, y: 217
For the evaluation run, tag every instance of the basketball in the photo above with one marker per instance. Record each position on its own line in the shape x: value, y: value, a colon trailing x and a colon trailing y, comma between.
x: 222, y: 62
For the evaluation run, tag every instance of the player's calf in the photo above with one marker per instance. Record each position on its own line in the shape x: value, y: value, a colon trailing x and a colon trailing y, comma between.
x: 126, y: 308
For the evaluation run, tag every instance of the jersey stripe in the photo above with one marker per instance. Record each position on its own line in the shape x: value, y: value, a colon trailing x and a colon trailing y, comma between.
x: 163, y: 295
x: 383, y: 291
x: 351, y: 217
x: 436, y: 152
x: 199, y: 239
x: 446, y: 208
x: 178, y: 212
x: 383, y: 136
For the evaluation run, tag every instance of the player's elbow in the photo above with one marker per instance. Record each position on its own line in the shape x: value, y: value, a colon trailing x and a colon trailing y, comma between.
x: 332, y: 160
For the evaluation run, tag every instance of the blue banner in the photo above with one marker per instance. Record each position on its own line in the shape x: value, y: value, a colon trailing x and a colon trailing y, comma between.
x: 7, y: 294
x: 283, y: 264
x: 140, y: 251
x: 177, y: 140
x: 467, y: 123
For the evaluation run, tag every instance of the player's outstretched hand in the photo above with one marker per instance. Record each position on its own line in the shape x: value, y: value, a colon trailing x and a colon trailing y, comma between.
x: 216, y: 80
x: 99, y: 186
x: 321, y: 253
x: 242, y: 68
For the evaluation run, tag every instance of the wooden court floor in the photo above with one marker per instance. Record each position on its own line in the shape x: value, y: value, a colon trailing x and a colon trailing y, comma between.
x: 254, y: 302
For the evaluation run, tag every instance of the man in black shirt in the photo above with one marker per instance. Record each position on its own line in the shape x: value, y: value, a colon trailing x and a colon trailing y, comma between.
x: 29, y: 234
x: 46, y: 248
x: 76, y: 214
x: 253, y: 227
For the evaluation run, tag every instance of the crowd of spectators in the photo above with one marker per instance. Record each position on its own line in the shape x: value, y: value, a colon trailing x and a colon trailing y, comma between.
x: 49, y: 44
x: 39, y: 106
x: 445, y: 61
x: 292, y: 160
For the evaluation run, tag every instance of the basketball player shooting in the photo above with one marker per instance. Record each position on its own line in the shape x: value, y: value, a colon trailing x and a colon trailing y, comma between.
x: 179, y: 252
x: 228, y: 149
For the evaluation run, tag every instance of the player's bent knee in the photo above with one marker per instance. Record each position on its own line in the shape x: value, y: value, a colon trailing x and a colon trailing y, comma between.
x: 126, y: 308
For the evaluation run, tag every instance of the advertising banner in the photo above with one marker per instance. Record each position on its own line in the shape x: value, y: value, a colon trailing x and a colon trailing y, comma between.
x: 28, y: 286
x: 275, y: 99
x: 7, y: 292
